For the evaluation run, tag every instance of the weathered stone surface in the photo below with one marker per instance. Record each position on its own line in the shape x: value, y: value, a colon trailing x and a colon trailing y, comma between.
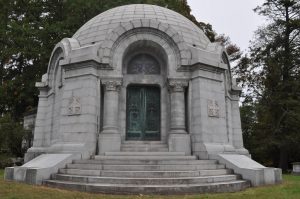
x: 141, y: 175
x: 38, y: 169
x: 104, y: 24
x: 256, y: 173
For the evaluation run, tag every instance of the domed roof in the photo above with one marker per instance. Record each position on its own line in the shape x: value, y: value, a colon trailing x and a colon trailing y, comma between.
x: 96, y: 29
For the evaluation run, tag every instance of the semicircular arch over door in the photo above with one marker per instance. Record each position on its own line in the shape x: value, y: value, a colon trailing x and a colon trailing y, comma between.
x: 144, y: 112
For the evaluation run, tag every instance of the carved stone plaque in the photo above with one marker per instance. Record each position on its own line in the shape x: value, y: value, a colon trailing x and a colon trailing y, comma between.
x: 74, y: 106
x: 213, y: 108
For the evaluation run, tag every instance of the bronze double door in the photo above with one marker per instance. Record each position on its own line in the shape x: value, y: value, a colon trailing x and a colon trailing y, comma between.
x: 143, y: 113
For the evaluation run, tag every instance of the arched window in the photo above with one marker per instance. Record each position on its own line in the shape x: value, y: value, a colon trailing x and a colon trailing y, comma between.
x: 143, y: 64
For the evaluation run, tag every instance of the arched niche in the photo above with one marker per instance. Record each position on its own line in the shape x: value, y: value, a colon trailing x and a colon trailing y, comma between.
x: 61, y: 51
x: 150, y: 29
x: 55, y: 82
x: 144, y: 58
x: 225, y: 60
x: 148, y: 41
x: 145, y: 69
x: 54, y: 70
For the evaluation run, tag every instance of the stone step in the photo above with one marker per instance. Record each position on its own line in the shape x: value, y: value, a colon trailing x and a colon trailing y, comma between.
x: 165, y: 167
x: 148, y: 162
x: 86, y: 172
x: 145, y: 146
x: 229, y: 186
x: 141, y: 157
x: 124, y: 153
x: 146, y: 181
x: 143, y: 143
x: 144, y: 149
x: 146, y: 174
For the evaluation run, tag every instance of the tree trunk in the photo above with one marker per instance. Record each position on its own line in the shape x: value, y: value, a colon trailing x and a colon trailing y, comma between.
x: 287, y: 53
x: 283, y: 161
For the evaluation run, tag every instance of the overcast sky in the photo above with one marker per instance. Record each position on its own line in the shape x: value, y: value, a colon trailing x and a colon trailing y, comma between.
x: 234, y: 18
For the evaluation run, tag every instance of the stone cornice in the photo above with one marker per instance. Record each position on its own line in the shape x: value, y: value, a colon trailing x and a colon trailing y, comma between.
x: 85, y: 64
x: 41, y: 85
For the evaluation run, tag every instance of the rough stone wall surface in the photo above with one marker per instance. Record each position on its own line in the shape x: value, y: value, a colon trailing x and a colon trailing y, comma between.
x: 80, y: 125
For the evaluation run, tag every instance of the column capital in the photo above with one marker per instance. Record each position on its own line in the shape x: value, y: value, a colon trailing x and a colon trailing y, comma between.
x: 178, y: 85
x: 112, y: 84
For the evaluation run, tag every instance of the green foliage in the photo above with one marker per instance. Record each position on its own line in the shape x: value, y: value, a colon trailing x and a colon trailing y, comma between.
x: 5, y: 161
x: 271, y: 74
x: 12, y: 135
x: 233, y: 51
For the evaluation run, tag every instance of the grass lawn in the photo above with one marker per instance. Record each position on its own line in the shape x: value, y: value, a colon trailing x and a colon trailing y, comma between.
x: 290, y: 189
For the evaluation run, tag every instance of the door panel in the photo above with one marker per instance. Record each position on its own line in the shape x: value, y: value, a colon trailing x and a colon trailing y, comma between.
x: 134, y: 115
x: 152, y: 113
x: 143, y: 113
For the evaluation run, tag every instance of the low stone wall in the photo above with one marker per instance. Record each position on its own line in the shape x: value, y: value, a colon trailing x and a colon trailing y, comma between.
x: 250, y: 170
x: 38, y: 169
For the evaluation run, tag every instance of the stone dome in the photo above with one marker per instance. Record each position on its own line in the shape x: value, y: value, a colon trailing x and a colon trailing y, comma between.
x: 97, y: 29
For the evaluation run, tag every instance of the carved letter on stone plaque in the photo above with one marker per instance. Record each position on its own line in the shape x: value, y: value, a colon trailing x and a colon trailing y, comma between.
x: 213, y: 108
x: 74, y: 106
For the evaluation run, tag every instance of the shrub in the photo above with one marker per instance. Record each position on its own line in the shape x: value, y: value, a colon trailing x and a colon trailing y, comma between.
x: 11, y: 134
x: 5, y: 161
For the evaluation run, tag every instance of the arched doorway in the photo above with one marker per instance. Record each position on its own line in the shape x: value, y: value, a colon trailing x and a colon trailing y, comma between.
x: 143, y: 100
x: 143, y: 114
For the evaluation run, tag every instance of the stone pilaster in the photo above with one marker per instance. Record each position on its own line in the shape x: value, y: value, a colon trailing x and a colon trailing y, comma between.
x: 110, y: 138
x: 179, y: 140
x: 177, y: 88
x: 237, y: 136
x: 39, y: 141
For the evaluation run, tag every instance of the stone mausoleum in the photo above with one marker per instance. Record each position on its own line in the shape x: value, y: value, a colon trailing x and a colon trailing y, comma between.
x: 140, y: 101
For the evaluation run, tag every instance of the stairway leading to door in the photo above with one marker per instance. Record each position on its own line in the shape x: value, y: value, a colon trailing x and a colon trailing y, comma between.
x: 144, y: 146
x: 147, y: 168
